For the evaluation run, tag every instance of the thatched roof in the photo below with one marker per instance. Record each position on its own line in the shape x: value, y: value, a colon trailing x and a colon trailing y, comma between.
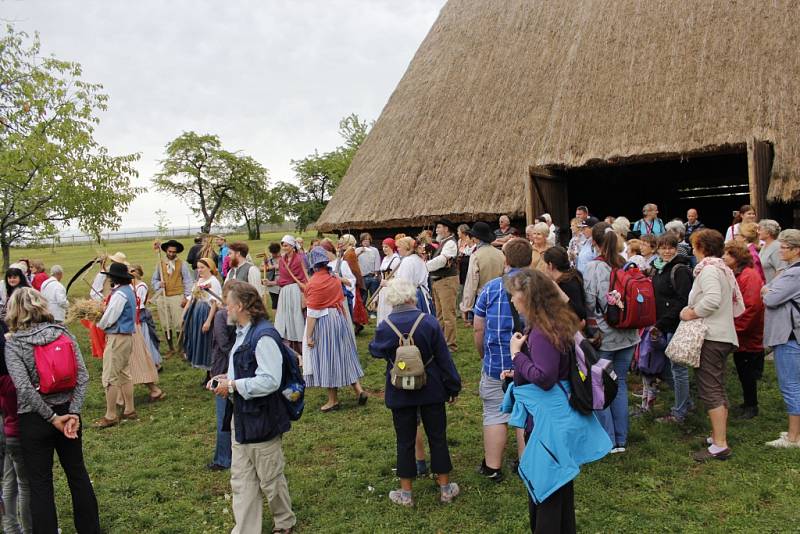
x: 499, y: 86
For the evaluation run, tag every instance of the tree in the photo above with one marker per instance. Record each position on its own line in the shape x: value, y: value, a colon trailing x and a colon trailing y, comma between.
x: 251, y: 199
x: 320, y: 174
x: 162, y: 222
x: 196, y: 171
x: 52, y: 171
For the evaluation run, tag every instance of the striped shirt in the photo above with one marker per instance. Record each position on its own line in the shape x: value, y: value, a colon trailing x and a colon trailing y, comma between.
x: 493, y: 306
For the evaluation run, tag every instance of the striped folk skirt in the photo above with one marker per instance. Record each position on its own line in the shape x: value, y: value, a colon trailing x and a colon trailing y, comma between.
x: 333, y: 361
x: 196, y: 343
x: 143, y: 370
x: 289, y: 320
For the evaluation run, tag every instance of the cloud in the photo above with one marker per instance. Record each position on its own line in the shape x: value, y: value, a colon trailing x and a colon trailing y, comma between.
x: 271, y: 78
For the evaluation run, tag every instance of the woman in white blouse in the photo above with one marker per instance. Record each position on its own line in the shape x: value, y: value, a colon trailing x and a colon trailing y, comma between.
x: 199, y: 314
x: 412, y: 268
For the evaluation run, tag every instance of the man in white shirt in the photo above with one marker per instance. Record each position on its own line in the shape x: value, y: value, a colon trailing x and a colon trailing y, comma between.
x: 444, y: 279
x: 369, y: 259
x: 242, y: 269
x: 259, y: 415
x: 55, y: 294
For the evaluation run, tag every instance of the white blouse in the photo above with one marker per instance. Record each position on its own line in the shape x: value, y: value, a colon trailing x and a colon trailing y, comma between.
x: 141, y: 294
x: 412, y: 268
x: 389, y: 263
x: 212, y: 284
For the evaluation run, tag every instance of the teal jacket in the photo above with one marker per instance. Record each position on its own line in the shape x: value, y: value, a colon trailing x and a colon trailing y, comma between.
x: 562, y: 439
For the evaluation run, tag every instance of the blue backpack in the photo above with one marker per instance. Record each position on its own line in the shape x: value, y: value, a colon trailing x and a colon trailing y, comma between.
x: 293, y: 387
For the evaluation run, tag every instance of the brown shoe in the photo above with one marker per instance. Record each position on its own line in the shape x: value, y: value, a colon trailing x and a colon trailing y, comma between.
x: 133, y: 416
x: 157, y: 398
x: 105, y: 423
x: 703, y: 455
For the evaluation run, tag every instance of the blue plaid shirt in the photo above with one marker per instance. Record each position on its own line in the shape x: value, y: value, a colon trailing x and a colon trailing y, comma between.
x: 493, y: 306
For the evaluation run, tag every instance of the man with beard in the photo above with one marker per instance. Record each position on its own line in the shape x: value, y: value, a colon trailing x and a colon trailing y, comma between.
x: 241, y: 268
x: 444, y: 278
x: 177, y: 287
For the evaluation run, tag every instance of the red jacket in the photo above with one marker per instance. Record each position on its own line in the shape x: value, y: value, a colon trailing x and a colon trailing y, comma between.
x: 750, y: 324
x: 38, y: 280
x: 8, y: 405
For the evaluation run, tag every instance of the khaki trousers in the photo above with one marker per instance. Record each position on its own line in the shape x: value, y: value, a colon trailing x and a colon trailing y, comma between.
x: 170, y: 312
x: 256, y: 469
x: 117, y: 360
x: 445, y: 292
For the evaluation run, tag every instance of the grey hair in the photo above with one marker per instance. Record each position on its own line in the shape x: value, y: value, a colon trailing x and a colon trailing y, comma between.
x: 649, y: 206
x: 463, y: 228
x: 540, y: 228
x: 622, y: 226
x: 676, y: 227
x: 790, y: 237
x: 56, y: 269
x: 770, y: 226
x: 400, y: 291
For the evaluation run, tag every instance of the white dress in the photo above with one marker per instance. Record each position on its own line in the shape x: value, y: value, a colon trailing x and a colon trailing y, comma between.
x: 388, y: 265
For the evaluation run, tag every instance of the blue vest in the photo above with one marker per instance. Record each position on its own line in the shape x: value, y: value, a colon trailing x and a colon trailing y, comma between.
x: 126, y: 322
x: 262, y: 418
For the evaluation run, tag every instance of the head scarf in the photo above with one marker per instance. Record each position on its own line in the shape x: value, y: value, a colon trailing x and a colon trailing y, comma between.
x: 289, y: 240
x: 389, y: 242
x: 208, y: 262
x: 318, y: 256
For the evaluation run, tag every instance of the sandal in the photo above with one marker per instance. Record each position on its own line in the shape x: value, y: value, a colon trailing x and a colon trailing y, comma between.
x: 133, y: 416
x: 103, y: 422
x: 157, y: 398
x: 331, y: 408
x: 363, y: 397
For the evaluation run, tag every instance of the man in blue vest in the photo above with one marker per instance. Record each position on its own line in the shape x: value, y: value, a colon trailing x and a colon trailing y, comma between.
x: 118, y: 322
x: 257, y: 413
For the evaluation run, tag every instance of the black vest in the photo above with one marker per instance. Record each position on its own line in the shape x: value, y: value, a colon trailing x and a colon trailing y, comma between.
x: 262, y: 418
x: 450, y: 269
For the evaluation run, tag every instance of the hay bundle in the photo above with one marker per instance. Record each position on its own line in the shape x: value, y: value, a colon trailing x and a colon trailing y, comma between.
x: 91, y: 310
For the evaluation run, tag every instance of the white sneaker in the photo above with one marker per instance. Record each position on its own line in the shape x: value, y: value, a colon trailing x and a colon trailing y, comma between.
x: 449, y: 492
x: 783, y: 443
x: 403, y: 498
x: 617, y: 450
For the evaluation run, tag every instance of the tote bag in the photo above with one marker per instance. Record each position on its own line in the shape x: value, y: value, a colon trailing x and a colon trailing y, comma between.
x: 685, y: 345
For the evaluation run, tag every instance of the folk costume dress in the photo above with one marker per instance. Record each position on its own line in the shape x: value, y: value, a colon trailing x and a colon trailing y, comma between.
x: 143, y: 370
x: 333, y: 360
x: 412, y: 268
x: 358, y: 309
x: 196, y: 343
x: 388, y: 266
x: 148, y: 324
x: 289, y: 320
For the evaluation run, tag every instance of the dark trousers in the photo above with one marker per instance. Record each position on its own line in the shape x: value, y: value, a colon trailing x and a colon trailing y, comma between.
x: 556, y: 515
x: 750, y: 367
x: 371, y: 284
x: 434, y: 420
x: 39, y: 440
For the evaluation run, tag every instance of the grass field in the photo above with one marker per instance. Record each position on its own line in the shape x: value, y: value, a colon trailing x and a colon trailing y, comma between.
x: 149, y: 475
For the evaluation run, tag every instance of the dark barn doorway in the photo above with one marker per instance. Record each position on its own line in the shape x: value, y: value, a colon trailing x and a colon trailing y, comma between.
x: 715, y: 185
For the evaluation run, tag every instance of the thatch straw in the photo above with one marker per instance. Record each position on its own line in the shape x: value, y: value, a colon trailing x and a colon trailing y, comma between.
x: 88, y: 309
x: 497, y: 87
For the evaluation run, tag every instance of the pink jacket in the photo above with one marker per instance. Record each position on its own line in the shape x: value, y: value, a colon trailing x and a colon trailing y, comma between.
x: 8, y: 405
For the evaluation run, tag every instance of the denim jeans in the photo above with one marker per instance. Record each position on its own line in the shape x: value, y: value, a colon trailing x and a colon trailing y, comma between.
x: 787, y: 367
x: 615, y: 418
x: 222, y: 452
x: 16, y: 490
x: 371, y: 284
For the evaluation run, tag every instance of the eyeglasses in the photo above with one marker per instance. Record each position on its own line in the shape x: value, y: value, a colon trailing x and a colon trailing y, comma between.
x: 787, y: 247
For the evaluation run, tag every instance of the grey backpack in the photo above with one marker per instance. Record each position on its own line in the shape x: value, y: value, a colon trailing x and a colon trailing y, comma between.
x: 408, y: 371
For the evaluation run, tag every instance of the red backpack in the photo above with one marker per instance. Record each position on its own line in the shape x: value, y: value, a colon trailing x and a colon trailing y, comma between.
x: 55, y: 365
x: 637, y: 303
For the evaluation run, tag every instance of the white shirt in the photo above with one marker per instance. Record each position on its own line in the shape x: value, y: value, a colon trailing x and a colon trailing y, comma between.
x: 269, y: 371
x: 96, y: 293
x: 141, y: 294
x: 390, y: 263
x: 211, y: 283
x: 369, y: 259
x: 253, y: 277
x: 413, y: 269
x: 116, y: 304
x: 346, y: 273
x: 55, y: 294
x: 449, y: 251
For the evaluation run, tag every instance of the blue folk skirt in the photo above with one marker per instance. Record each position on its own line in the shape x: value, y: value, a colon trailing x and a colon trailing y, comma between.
x: 197, y: 344
x: 333, y: 361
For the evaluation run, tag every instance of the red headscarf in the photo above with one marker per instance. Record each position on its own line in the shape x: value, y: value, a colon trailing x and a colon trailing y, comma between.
x: 389, y: 242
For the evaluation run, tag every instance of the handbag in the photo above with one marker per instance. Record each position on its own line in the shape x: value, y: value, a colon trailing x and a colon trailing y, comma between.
x: 685, y: 345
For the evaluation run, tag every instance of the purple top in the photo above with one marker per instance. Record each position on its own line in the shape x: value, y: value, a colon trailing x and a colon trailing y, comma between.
x: 540, y: 362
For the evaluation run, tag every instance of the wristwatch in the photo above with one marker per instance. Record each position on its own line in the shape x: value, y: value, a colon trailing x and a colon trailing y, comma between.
x: 231, y: 389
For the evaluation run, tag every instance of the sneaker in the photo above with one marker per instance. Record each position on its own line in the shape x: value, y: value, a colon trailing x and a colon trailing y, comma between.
x: 401, y: 497
x: 669, y: 419
x: 495, y: 475
x: 783, y: 443
x: 449, y: 492
x: 704, y: 455
x: 618, y: 449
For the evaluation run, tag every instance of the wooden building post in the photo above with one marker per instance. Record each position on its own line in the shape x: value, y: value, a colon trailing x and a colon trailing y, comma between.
x: 759, y: 168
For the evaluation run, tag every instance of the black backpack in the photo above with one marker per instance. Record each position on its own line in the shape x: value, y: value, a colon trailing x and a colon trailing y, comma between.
x: 592, y: 380
x: 293, y: 386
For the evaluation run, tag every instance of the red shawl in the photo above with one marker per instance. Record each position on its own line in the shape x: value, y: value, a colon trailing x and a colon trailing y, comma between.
x: 324, y: 291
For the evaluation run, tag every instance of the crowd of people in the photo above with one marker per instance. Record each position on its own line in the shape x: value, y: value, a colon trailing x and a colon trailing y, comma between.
x: 534, y: 301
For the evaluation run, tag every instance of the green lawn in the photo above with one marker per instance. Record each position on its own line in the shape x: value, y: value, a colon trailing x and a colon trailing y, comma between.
x: 149, y: 474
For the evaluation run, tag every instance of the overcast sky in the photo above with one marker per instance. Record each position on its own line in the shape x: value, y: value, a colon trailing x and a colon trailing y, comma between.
x: 270, y: 77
